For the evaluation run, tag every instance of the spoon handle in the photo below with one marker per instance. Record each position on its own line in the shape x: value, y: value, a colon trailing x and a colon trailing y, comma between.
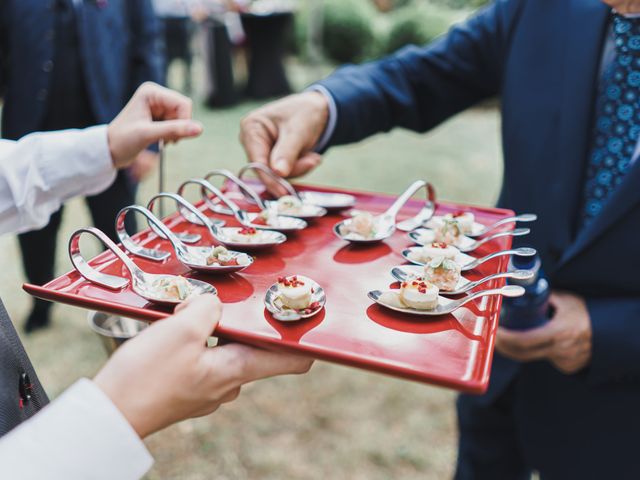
x: 188, y: 211
x: 246, y: 190
x: 519, y: 274
x: 153, y: 221
x: 518, y: 232
x: 524, y: 217
x: 82, y: 266
x: 259, y: 167
x: 206, y: 188
x: 393, y: 210
x: 522, y: 252
x: 507, y: 291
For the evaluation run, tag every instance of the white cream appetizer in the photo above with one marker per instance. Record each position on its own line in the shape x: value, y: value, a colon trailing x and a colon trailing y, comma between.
x: 172, y: 288
x: 295, y: 293
x: 443, y: 273
x: 268, y: 217
x: 419, y: 294
x: 465, y: 220
x: 246, y: 235
x: 222, y: 257
x: 361, y: 226
x: 449, y: 232
x: 438, y: 250
x: 289, y: 205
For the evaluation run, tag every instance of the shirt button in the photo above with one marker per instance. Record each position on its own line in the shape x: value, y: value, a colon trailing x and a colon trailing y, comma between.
x: 47, y: 66
x: 42, y: 95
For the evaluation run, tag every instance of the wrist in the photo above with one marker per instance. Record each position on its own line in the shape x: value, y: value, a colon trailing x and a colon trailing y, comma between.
x: 124, y: 400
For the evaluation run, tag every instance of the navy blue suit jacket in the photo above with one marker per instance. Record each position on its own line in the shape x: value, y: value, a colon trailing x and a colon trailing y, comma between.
x: 542, y: 58
x: 120, y: 49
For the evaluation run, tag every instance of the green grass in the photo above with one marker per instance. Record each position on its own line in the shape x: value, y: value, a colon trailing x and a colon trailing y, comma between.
x: 335, y: 422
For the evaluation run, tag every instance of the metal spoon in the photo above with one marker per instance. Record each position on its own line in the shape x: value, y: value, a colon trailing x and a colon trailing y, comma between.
x: 479, y: 230
x: 465, y: 244
x: 200, y: 255
x: 274, y: 305
x: 195, y: 258
x: 467, y: 262
x: 142, y: 283
x: 326, y: 200
x: 226, y: 235
x: 385, y: 223
x: 283, y: 223
x: 406, y: 273
x: 305, y: 209
x: 445, y: 305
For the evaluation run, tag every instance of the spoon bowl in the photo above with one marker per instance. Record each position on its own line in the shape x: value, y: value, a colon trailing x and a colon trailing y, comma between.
x: 142, y: 283
x: 323, y: 201
x: 231, y: 237
x: 466, y: 262
x: 383, y: 225
x: 407, y: 273
x: 390, y: 299
x: 425, y: 236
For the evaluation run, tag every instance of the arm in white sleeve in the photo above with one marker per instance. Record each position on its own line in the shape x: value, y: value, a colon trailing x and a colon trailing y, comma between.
x: 80, y: 436
x: 39, y: 172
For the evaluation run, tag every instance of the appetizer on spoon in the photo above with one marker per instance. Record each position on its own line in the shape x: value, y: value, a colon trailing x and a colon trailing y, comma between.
x: 418, y: 297
x: 291, y: 204
x: 160, y: 289
x: 364, y: 227
x: 244, y: 238
x: 450, y: 233
x: 450, y: 284
x: 420, y: 256
x: 268, y: 217
x: 324, y: 200
x: 217, y: 258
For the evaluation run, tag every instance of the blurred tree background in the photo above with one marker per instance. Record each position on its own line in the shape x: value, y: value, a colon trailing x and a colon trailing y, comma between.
x: 354, y: 31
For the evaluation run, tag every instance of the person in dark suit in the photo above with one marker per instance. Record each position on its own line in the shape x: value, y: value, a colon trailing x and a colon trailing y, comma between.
x: 72, y: 64
x: 563, y: 398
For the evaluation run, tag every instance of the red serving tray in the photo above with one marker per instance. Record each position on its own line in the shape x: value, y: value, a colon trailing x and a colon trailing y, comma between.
x: 453, y: 351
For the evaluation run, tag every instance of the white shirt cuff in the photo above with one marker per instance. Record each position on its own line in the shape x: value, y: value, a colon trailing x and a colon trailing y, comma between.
x: 78, y: 162
x: 81, y: 435
x: 333, y: 117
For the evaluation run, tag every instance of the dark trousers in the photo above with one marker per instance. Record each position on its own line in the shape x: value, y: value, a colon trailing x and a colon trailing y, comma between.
x: 489, y: 447
x: 38, y: 247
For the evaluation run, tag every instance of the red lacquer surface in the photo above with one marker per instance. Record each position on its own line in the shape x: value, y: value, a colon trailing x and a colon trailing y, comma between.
x: 454, y: 351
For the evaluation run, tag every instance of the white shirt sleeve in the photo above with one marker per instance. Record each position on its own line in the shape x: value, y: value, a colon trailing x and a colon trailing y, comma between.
x: 39, y: 172
x: 80, y: 436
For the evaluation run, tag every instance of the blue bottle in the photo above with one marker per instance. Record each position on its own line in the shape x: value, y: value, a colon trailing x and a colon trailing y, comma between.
x: 532, y: 309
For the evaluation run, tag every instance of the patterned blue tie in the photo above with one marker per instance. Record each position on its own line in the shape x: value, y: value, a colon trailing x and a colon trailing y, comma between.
x: 617, y: 120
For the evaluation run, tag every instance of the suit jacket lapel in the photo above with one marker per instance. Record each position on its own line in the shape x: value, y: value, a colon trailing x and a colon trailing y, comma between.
x: 587, y: 22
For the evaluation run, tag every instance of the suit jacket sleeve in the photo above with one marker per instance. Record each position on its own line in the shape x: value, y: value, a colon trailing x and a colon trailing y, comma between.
x: 147, y: 52
x: 616, y: 339
x: 419, y: 87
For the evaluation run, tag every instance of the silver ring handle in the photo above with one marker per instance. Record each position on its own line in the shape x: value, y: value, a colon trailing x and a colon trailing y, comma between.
x: 130, y: 245
x: 394, y: 209
x: 187, y: 210
x: 92, y: 275
x: 205, y: 189
x: 245, y: 189
x: 271, y: 174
